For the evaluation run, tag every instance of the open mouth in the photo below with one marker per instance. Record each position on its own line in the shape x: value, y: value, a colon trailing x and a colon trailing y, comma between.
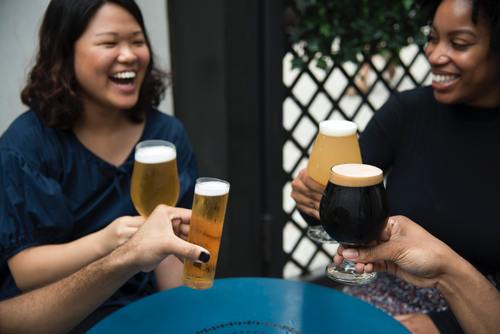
x: 443, y: 78
x: 124, y: 78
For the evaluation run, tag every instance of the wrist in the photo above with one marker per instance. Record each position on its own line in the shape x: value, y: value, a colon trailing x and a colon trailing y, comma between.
x: 124, y: 260
x: 103, y: 246
x: 455, y: 273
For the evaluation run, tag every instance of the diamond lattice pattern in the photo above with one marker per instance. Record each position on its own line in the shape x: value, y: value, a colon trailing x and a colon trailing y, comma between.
x: 314, y: 95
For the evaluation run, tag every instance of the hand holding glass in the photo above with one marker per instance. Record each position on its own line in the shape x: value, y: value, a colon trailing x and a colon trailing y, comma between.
x: 353, y: 211
x: 207, y: 221
x: 336, y: 143
x: 154, y: 179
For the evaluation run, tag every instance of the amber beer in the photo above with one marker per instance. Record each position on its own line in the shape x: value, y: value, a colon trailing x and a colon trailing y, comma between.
x: 154, y: 179
x: 207, y: 220
x: 336, y: 143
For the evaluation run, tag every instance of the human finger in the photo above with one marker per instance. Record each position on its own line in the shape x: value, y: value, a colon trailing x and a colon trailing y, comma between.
x: 187, y: 250
x: 135, y: 221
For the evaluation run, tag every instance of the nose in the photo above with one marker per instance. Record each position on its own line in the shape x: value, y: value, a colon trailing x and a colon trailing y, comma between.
x: 126, y: 54
x: 437, y: 54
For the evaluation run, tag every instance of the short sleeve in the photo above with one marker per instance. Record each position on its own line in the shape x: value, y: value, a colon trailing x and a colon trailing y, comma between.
x: 33, y: 208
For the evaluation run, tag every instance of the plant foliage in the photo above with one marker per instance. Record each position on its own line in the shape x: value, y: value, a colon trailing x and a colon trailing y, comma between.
x: 343, y: 30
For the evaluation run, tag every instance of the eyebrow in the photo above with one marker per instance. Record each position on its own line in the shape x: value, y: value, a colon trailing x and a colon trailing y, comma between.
x: 135, y: 33
x: 460, y: 31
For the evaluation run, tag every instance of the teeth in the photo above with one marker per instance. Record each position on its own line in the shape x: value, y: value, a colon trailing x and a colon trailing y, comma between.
x: 439, y: 78
x: 124, y: 75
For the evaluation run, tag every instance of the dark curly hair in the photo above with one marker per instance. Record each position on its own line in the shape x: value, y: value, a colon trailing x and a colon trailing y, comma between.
x: 51, y: 88
x: 489, y: 9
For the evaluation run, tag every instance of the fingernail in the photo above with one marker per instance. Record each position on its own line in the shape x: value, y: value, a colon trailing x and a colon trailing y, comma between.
x: 204, y: 257
x: 350, y: 253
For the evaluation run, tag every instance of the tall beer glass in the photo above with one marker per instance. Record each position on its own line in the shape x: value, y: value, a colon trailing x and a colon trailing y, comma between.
x: 353, y: 211
x: 207, y: 220
x: 154, y: 179
x: 336, y: 143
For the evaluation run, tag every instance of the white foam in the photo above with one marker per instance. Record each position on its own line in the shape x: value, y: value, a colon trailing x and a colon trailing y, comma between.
x: 337, y: 128
x: 211, y: 188
x: 155, y: 154
x: 357, y: 170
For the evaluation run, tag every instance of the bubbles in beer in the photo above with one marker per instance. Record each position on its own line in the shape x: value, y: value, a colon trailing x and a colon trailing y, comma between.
x: 155, y: 154
x: 337, y: 128
x: 211, y: 188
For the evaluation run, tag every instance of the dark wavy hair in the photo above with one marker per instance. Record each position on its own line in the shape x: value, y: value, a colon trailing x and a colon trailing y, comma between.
x: 52, y: 89
x: 489, y: 9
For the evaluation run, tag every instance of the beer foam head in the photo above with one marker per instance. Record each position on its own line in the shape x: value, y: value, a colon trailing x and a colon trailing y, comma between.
x: 211, y: 188
x: 337, y: 128
x: 356, y: 175
x: 155, y: 154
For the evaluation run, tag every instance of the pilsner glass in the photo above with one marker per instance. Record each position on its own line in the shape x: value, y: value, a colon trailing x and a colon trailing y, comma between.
x: 207, y: 220
x: 154, y: 179
x: 336, y: 143
x: 353, y: 211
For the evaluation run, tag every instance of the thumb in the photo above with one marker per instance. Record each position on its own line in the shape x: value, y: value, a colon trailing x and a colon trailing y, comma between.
x: 189, y: 251
x: 386, y: 251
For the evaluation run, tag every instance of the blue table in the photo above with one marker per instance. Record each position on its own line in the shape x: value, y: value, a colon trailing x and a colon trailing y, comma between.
x: 250, y: 305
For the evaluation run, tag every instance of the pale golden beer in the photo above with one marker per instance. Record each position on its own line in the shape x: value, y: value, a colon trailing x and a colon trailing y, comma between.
x: 336, y: 143
x: 154, y: 179
x: 207, y: 220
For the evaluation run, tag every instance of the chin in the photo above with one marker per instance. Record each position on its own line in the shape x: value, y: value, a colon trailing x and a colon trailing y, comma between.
x: 446, y: 98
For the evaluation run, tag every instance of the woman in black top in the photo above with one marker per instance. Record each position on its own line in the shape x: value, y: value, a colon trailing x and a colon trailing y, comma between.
x: 438, y: 147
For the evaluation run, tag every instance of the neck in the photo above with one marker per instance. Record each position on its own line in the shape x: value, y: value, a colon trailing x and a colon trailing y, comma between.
x: 99, y: 119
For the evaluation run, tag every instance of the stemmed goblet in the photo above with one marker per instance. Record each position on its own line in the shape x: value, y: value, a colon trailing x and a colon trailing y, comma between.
x: 353, y: 211
x: 336, y: 143
x: 155, y: 179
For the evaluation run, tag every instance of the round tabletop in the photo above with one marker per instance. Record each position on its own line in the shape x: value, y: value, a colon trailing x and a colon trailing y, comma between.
x: 250, y: 305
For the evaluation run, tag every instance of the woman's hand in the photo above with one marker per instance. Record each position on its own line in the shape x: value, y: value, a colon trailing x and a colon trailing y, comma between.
x: 118, y: 232
x: 181, y: 219
x: 156, y: 239
x: 405, y: 250
x: 307, y: 194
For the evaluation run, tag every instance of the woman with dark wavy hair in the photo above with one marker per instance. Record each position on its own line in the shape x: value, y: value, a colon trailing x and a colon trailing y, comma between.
x: 67, y: 162
x: 438, y: 147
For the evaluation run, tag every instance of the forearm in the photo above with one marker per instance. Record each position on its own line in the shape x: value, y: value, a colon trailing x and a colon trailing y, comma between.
x: 169, y: 273
x: 58, y: 307
x: 41, y: 265
x: 473, y: 299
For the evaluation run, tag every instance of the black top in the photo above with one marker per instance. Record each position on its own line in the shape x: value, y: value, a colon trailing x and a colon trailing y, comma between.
x: 442, y: 164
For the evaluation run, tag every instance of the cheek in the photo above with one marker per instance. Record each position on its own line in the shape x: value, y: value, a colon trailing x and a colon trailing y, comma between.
x: 144, y: 58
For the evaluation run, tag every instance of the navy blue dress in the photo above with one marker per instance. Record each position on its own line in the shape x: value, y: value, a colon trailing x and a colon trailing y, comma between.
x: 54, y: 190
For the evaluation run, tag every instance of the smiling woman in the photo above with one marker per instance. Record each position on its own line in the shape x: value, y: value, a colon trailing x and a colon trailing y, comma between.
x: 465, y: 67
x: 437, y: 146
x: 66, y: 164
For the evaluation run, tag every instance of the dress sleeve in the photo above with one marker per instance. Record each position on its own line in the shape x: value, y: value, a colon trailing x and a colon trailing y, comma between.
x: 380, y: 140
x: 33, y: 208
x: 188, y: 168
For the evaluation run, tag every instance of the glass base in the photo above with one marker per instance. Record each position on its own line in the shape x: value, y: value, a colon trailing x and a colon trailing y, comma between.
x: 318, y: 234
x: 345, y: 273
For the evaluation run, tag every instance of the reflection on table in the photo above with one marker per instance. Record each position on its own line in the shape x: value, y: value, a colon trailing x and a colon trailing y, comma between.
x: 250, y: 305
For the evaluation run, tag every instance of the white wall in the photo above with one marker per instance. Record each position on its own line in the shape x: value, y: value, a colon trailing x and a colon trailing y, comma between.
x: 19, y: 22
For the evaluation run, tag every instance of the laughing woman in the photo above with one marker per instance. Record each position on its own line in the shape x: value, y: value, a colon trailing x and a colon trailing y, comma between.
x: 439, y: 149
x: 66, y: 163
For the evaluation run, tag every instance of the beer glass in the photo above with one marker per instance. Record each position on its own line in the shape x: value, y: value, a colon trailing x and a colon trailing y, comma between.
x: 353, y: 211
x: 154, y: 179
x: 336, y: 143
x: 207, y: 220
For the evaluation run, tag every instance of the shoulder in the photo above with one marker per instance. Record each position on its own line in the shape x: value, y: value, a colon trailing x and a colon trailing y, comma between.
x: 408, y: 104
x: 162, y: 124
x: 414, y: 98
x: 28, y: 137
